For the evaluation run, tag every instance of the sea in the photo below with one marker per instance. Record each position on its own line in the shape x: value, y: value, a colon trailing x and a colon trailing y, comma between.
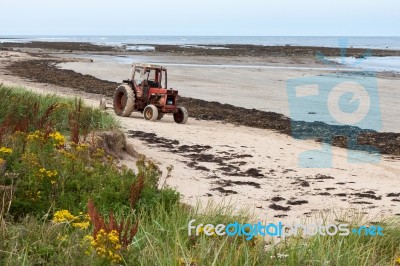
x: 143, y: 43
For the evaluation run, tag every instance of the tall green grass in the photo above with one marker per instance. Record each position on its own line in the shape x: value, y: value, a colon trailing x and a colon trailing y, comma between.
x: 341, y: 250
x: 19, y: 105
x: 163, y: 239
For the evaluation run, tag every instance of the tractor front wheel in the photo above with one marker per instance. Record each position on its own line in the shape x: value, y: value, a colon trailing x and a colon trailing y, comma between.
x: 160, y: 115
x: 150, y: 112
x: 181, y: 116
x: 124, y: 100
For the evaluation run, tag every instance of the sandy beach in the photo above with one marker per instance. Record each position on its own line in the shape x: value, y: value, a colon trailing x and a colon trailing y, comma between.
x: 253, y: 167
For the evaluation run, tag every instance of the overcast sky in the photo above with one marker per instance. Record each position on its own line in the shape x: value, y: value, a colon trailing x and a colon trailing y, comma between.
x: 205, y: 17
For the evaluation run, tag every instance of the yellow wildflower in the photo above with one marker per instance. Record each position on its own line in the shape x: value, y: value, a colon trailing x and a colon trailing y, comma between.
x: 81, y: 225
x: 99, y: 153
x: 107, y: 245
x: 82, y: 147
x: 34, y: 136
x: 58, y: 139
x: 88, y: 238
x: 68, y: 155
x: 5, y: 151
x: 63, y: 216
x: 31, y: 159
x: 201, y: 230
x: 44, y: 173
x: 398, y: 261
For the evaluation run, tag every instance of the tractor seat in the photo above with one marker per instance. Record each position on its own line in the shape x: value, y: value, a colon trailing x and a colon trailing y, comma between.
x: 153, y: 84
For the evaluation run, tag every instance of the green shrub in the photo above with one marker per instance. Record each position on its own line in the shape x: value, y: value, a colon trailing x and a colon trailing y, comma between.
x: 50, y: 173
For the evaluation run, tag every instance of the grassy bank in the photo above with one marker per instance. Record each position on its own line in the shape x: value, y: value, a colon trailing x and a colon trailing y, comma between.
x: 65, y: 200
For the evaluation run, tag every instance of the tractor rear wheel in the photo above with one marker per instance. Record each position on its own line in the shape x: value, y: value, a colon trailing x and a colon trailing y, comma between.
x: 124, y: 100
x: 150, y: 112
x: 181, y: 116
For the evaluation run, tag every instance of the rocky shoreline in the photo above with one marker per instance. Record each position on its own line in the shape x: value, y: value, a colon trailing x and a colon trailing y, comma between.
x: 203, y: 50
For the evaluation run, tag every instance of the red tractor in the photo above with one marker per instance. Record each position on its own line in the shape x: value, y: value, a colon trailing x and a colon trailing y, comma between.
x: 147, y: 92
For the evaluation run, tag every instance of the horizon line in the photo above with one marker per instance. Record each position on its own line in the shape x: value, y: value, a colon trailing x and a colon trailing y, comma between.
x: 125, y: 35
